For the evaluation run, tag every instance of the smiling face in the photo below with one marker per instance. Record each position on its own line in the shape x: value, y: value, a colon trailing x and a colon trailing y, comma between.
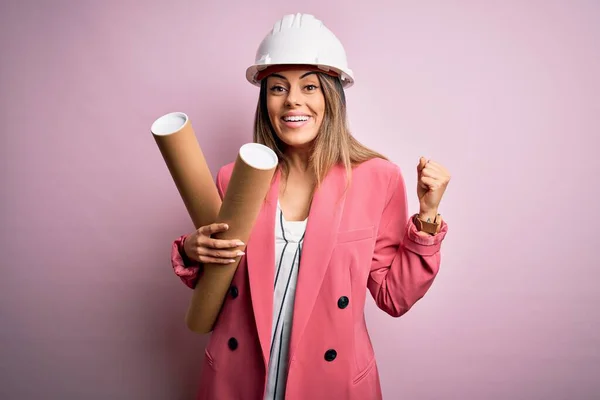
x: 296, y: 106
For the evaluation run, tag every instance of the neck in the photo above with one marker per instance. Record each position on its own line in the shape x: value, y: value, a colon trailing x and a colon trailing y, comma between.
x: 299, y: 159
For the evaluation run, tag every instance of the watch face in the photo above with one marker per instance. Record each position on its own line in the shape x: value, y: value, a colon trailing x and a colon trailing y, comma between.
x: 429, y: 227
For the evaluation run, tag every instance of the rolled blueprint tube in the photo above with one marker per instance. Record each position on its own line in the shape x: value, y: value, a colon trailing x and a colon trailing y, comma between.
x: 179, y: 147
x: 248, y: 187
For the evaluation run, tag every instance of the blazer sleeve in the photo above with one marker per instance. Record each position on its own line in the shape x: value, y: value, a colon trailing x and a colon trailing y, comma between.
x: 404, y: 263
x: 189, y: 271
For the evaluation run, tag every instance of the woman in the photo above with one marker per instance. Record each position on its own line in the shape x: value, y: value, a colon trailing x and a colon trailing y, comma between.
x: 334, y: 224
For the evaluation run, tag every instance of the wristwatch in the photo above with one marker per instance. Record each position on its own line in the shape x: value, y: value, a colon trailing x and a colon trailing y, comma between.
x: 429, y: 227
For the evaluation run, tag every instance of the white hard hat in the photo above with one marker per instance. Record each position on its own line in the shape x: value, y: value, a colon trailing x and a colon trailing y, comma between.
x: 301, y: 39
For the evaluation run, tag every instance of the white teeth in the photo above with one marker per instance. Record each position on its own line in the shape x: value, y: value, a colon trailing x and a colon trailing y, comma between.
x: 296, y: 118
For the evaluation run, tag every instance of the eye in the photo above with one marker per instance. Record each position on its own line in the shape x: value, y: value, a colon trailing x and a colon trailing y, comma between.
x: 277, y: 89
x: 311, y: 87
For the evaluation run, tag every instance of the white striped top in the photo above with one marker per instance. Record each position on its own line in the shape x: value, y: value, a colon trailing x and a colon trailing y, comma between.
x: 289, y: 238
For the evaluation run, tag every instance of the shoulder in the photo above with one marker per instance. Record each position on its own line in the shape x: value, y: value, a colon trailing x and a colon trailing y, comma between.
x: 383, y: 174
x: 224, y: 174
x: 379, y: 165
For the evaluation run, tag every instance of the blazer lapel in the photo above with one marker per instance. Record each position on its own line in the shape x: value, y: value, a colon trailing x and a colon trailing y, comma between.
x: 322, y: 226
x: 260, y: 256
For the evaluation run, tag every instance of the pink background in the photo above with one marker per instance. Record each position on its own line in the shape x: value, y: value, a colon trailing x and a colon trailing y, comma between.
x: 504, y: 93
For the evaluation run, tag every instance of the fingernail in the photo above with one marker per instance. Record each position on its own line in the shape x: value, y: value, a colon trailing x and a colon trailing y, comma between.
x: 225, y: 226
x: 240, y: 253
x: 239, y: 243
x: 231, y: 261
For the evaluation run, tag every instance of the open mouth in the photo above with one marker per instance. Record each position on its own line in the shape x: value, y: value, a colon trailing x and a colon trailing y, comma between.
x: 296, y: 118
x: 295, y: 121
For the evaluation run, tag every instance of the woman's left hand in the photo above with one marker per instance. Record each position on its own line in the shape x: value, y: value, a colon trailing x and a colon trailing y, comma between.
x: 432, y: 180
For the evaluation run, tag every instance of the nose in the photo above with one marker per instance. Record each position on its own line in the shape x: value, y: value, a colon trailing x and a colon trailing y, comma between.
x: 293, y: 98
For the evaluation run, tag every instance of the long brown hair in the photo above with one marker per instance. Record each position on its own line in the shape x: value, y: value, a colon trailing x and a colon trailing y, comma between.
x: 334, y: 144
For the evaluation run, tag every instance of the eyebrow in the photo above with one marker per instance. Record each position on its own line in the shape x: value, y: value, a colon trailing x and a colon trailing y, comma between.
x: 302, y: 77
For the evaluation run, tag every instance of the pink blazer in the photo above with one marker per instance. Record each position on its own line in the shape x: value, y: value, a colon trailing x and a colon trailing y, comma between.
x: 363, y: 240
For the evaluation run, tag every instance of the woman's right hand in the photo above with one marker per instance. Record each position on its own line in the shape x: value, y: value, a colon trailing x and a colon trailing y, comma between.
x: 200, y: 246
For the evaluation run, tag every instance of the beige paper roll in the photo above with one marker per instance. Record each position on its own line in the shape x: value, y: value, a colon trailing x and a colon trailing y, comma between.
x: 248, y: 187
x: 179, y: 147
